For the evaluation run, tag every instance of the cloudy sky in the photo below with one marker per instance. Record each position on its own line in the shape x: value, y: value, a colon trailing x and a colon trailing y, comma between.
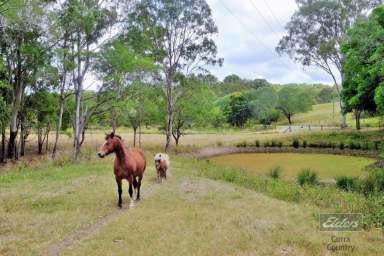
x: 249, y: 31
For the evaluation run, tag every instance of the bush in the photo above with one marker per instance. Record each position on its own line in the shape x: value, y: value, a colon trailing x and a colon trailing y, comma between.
x: 280, y: 144
x: 323, y: 145
x: 266, y: 144
x: 257, y: 143
x: 373, y: 182
x: 304, y: 144
x: 376, y: 145
x: 273, y: 143
x: 365, y: 146
x: 347, y: 183
x: 307, y: 177
x: 313, y: 145
x: 341, y: 145
x: 295, y: 143
x: 353, y: 145
x: 242, y: 144
x: 275, y: 173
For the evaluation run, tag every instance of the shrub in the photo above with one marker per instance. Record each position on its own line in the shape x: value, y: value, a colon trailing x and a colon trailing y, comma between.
x: 341, y: 145
x: 257, y: 143
x: 266, y: 144
x: 373, y: 182
x: 376, y: 145
x: 323, y: 145
x: 275, y: 172
x: 307, y: 177
x: 365, y: 146
x: 273, y: 143
x: 353, y: 145
x: 280, y: 144
x: 304, y: 144
x: 295, y: 143
x: 242, y: 144
x: 313, y: 145
x: 347, y: 183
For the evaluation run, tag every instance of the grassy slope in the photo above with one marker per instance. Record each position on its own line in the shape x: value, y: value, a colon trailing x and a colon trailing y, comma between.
x: 188, y: 215
x: 327, y: 166
x: 329, y: 115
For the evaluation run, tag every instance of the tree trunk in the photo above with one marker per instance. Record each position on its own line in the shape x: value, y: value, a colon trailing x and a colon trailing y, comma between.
x: 47, y: 138
x: 134, y: 136
x: 140, y: 135
x: 343, y: 116
x: 62, y: 101
x: 22, y: 141
x: 59, y: 124
x: 168, y: 128
x: 2, y: 157
x: 40, y: 141
x: 289, y: 119
x: 14, y: 126
x: 357, y: 117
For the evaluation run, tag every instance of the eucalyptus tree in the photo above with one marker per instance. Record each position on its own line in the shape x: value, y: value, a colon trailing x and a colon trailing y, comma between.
x: 316, y: 31
x: 89, y: 21
x: 363, y: 67
x: 124, y: 71
x: 195, y: 107
x: 61, y: 33
x: 292, y: 101
x: 178, y: 34
x: 23, y: 51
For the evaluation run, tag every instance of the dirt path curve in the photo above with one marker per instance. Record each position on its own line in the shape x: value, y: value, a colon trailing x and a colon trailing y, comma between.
x: 79, y: 235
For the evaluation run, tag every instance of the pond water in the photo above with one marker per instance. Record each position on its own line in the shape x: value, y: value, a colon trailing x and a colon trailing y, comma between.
x: 327, y: 166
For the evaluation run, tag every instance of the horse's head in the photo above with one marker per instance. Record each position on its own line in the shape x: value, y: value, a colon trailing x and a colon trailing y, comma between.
x: 110, y: 144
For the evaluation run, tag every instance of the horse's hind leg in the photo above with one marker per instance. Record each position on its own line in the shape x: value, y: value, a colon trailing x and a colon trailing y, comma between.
x: 138, y: 187
x: 119, y: 190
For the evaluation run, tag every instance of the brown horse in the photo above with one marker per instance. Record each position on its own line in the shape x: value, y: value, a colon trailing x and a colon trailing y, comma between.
x: 129, y: 164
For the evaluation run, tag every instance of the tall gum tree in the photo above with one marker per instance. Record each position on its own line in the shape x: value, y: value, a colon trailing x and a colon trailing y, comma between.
x: 90, y: 21
x: 21, y: 44
x: 316, y: 31
x: 179, y: 36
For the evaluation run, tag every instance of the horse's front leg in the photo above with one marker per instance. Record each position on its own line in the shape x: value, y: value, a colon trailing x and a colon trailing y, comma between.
x: 138, y: 187
x: 130, y: 190
x: 119, y: 190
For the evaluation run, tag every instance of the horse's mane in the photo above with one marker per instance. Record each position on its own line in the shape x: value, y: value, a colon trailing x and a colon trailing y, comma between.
x: 112, y: 135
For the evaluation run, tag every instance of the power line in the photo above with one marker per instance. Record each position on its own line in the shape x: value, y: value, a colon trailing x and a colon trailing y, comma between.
x: 273, y: 14
x: 251, y: 33
x: 264, y: 19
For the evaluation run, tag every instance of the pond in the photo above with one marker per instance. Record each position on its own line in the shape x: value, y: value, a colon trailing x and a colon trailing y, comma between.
x: 327, y: 166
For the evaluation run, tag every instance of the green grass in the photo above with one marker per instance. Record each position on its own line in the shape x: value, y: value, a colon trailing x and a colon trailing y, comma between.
x: 327, y: 166
x: 191, y: 214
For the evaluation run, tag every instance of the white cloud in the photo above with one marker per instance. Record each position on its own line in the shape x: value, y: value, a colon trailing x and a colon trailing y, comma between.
x: 247, y: 39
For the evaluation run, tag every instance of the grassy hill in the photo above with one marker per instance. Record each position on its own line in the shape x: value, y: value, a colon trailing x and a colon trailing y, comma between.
x: 70, y: 209
x: 328, y: 114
